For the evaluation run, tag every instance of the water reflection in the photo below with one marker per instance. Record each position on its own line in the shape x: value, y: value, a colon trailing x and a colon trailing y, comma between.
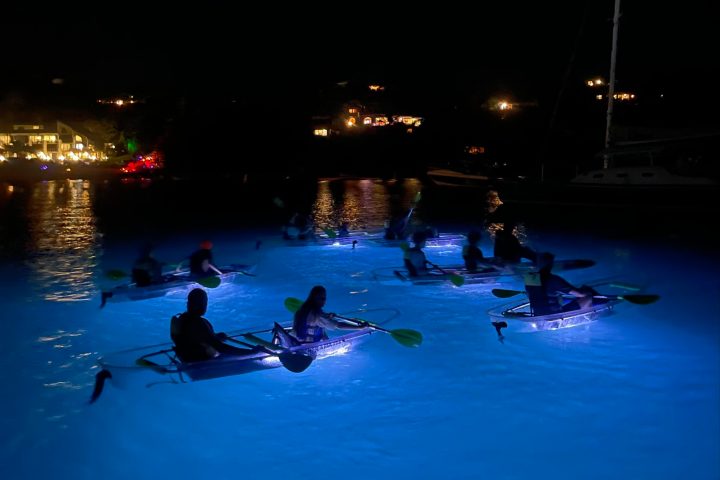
x: 62, y: 239
x: 363, y: 204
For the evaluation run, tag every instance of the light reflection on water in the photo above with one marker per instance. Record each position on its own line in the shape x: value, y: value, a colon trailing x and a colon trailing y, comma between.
x: 62, y: 239
x: 362, y: 204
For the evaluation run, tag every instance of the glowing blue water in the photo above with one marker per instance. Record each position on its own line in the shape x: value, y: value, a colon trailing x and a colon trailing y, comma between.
x: 634, y: 395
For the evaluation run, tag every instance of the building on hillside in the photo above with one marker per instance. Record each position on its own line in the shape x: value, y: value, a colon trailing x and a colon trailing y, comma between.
x: 54, y: 140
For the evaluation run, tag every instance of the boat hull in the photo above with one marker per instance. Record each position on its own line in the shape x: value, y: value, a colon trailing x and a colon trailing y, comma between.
x: 172, y: 283
x: 519, y: 317
x: 161, y: 359
x: 401, y: 275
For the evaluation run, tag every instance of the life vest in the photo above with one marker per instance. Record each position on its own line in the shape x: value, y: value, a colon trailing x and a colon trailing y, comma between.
x: 187, y: 349
x: 308, y: 333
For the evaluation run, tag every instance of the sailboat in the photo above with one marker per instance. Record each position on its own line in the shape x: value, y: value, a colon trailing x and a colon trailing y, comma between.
x: 665, y: 165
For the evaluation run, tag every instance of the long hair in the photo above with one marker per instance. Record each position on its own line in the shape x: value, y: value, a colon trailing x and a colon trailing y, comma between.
x: 309, y: 304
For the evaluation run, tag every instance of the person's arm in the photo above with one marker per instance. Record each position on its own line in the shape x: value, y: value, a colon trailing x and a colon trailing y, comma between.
x: 327, y: 320
x: 561, y: 285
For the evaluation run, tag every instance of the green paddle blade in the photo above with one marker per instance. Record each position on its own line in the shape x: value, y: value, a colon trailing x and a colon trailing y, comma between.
x: 116, y: 274
x: 330, y: 232
x: 457, y: 280
x: 407, y: 337
x: 417, y: 198
x: 293, y: 304
x: 502, y: 293
x: 209, y: 282
x: 404, y: 246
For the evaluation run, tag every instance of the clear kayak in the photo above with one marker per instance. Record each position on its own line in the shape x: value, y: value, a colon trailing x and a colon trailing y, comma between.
x: 519, y: 317
x: 143, y: 365
x: 449, y: 273
x: 171, y: 282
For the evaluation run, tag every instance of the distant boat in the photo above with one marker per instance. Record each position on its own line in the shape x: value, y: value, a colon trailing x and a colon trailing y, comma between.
x: 444, y: 177
x: 661, y: 164
x: 675, y: 172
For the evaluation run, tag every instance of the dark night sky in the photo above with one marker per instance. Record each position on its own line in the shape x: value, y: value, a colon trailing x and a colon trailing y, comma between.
x: 241, y: 49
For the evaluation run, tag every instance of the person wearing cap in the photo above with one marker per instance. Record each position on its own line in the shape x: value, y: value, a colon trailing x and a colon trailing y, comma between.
x: 508, y: 248
x: 194, y: 337
x: 146, y: 270
x: 547, y: 291
x: 201, y: 261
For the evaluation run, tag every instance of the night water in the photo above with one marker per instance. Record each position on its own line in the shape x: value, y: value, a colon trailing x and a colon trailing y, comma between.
x: 633, y: 395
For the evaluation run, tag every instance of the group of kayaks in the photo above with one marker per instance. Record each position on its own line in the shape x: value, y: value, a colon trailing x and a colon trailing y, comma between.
x: 374, y: 237
x: 459, y: 275
x: 264, y: 354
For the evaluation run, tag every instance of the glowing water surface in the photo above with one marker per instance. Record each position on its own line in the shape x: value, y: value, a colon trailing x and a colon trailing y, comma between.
x: 633, y: 395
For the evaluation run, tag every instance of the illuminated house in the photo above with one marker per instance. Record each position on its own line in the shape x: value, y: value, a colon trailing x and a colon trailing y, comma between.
x: 120, y: 101
x: 49, y: 141
x: 622, y: 96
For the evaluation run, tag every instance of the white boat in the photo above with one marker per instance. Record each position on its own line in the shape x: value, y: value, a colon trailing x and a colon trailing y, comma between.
x: 665, y: 163
x: 445, y: 177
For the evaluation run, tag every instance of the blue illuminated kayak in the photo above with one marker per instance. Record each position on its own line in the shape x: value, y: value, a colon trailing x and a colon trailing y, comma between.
x: 174, y: 282
x: 142, y: 365
x: 443, y: 240
x: 450, y: 273
x: 519, y: 317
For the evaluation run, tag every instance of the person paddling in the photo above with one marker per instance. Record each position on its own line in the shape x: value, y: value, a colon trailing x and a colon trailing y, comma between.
x: 546, y: 291
x: 311, y: 321
x: 201, y: 261
x: 194, y: 337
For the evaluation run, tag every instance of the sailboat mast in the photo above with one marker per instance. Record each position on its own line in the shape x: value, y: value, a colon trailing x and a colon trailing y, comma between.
x: 611, y: 85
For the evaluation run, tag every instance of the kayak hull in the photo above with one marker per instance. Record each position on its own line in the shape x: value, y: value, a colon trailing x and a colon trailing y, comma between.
x: 491, y: 275
x: 171, y: 283
x: 519, y: 317
x: 161, y: 359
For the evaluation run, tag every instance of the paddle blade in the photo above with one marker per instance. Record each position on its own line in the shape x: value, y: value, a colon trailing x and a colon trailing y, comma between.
x: 457, y: 280
x: 502, y: 293
x: 209, y: 282
x: 640, y: 299
x: 407, y: 337
x: 116, y: 274
x: 330, y: 232
x: 293, y: 304
x: 417, y: 198
x: 99, y: 384
x: 295, y: 362
x: 404, y: 246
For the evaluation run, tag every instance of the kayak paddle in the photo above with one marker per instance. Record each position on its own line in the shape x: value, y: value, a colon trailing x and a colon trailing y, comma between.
x: 404, y: 336
x: 638, y: 299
